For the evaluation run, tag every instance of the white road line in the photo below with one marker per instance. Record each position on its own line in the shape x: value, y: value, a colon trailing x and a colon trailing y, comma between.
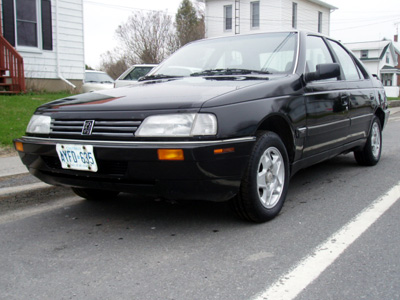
x: 307, y: 270
x: 32, y: 211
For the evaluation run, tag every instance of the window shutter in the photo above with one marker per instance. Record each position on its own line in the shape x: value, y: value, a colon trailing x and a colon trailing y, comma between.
x: 8, y: 21
x: 47, y: 25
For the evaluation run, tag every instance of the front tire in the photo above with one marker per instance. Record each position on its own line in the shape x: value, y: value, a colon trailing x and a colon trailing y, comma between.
x: 93, y: 194
x: 371, y: 153
x: 264, y: 186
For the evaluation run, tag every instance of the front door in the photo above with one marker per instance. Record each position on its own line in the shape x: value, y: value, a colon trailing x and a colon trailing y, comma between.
x: 327, y: 104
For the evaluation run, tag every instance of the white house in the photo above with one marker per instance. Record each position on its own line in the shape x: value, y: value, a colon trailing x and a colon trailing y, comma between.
x: 48, y: 34
x: 380, y: 58
x: 228, y: 17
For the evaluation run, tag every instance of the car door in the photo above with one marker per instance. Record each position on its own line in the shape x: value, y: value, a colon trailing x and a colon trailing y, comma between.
x: 326, y: 103
x: 360, y: 93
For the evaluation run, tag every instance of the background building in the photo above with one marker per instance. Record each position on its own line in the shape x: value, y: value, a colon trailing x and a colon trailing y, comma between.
x: 48, y: 35
x: 380, y: 58
x: 228, y: 17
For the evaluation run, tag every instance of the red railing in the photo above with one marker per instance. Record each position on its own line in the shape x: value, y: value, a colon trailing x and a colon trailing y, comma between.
x: 11, y: 68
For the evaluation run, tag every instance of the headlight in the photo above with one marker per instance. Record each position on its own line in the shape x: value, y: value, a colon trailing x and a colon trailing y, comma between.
x: 39, y: 124
x: 179, y: 125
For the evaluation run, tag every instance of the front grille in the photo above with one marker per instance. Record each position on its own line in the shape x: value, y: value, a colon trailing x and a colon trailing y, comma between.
x: 104, y: 129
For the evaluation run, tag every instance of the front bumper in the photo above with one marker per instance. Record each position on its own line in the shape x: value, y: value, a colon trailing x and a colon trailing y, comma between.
x: 386, y: 117
x: 134, y: 167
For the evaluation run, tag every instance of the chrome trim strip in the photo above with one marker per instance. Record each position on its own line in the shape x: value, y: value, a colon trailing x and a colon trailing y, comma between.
x: 328, y: 124
x: 362, y: 116
x: 63, y: 141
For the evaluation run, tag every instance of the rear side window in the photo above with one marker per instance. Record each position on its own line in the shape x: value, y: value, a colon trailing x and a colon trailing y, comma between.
x: 317, y: 53
x: 349, y: 68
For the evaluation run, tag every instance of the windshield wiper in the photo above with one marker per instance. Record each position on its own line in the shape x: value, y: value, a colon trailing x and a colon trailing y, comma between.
x: 216, y: 72
x: 157, y: 76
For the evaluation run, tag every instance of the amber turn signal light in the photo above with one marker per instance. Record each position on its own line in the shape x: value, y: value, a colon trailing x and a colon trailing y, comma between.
x: 224, y: 150
x: 170, y: 154
x: 19, y: 146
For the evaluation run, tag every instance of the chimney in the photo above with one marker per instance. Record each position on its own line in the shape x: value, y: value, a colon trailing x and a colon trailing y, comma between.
x: 396, y: 38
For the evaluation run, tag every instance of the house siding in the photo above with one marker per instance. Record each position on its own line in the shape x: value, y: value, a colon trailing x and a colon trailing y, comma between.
x: 42, y: 64
x: 275, y: 15
x: 307, y: 16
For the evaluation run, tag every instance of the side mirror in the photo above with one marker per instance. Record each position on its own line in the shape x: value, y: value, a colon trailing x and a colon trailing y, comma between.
x: 324, y: 71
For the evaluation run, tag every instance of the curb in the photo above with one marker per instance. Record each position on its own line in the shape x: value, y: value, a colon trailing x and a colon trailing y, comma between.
x: 33, y: 187
x: 394, y: 103
x: 28, y: 191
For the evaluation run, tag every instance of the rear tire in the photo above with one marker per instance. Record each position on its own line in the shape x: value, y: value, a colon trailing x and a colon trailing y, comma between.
x: 371, y: 153
x: 264, y: 186
x: 93, y: 194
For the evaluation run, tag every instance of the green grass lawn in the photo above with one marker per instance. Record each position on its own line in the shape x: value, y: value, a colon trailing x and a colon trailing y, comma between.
x: 16, y: 111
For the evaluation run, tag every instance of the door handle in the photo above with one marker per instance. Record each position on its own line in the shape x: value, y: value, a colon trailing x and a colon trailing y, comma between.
x: 345, y: 99
x: 372, y: 96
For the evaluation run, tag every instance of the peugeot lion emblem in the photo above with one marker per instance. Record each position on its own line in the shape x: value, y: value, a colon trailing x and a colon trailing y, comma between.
x: 87, y: 127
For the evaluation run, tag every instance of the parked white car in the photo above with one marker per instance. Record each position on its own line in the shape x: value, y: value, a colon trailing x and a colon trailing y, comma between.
x: 96, y: 80
x: 133, y: 74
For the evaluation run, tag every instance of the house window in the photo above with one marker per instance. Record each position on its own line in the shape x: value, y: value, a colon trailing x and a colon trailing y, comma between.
x: 387, y: 58
x: 364, y: 53
x: 387, y: 79
x: 228, y: 17
x: 294, y: 15
x: 320, y: 22
x: 28, y: 23
x: 255, y: 14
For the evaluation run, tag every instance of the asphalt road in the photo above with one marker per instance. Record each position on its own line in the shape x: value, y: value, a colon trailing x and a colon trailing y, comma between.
x: 63, y: 247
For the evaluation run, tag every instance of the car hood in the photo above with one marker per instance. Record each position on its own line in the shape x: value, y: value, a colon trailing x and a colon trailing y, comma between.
x: 183, y: 93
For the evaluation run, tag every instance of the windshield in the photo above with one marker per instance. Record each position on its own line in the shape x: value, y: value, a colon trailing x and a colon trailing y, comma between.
x: 270, y: 53
x: 97, y: 77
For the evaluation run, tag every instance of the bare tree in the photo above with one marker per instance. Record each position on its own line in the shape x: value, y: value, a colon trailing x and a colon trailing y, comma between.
x: 146, y: 38
x: 151, y: 37
x: 114, y: 64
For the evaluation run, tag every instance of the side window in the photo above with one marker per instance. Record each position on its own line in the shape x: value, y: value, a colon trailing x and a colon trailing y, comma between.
x: 317, y: 53
x: 349, y: 68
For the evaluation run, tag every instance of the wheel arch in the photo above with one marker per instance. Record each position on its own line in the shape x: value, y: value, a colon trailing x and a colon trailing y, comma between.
x: 281, y: 126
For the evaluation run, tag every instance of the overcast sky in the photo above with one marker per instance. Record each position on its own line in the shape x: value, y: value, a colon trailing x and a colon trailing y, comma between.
x: 353, y: 21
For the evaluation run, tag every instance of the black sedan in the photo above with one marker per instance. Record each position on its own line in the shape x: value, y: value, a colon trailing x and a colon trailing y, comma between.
x: 222, y: 119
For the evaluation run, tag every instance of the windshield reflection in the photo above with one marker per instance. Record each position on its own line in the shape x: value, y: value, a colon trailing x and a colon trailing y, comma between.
x: 269, y: 53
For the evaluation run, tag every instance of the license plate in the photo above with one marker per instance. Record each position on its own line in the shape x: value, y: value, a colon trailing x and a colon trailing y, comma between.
x: 77, y: 157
